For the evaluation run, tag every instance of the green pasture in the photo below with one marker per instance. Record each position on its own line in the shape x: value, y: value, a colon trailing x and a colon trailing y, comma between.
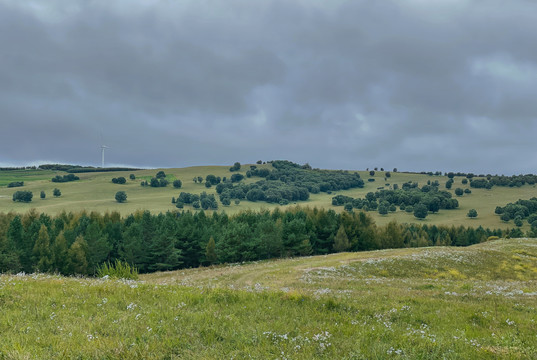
x: 477, y: 302
x: 95, y: 192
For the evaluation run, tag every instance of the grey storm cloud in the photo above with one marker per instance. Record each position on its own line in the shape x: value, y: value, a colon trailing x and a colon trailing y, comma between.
x: 418, y: 85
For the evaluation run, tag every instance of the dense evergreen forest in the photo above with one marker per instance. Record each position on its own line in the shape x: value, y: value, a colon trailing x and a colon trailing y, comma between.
x: 77, y: 243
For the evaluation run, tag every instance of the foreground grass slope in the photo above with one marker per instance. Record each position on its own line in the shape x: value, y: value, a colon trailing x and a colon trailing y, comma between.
x: 95, y: 192
x: 454, y: 303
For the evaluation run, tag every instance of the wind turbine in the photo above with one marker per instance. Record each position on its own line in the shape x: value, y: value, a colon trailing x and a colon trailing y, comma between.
x: 102, y: 154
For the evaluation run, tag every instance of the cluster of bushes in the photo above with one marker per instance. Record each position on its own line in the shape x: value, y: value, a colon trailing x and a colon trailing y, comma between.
x: 410, y: 198
x: 288, y: 182
x: 23, y: 196
x: 65, y: 178
x: 235, y: 167
x: 27, y: 196
x: 274, y: 191
x: 202, y: 201
x: 518, y: 211
x: 79, y: 243
x: 15, y: 184
x: 158, y: 181
x: 314, y: 180
x: 488, y: 181
x: 119, y: 180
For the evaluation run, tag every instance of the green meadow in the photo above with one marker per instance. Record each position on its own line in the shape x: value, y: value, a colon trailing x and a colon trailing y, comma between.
x: 477, y: 302
x: 95, y: 192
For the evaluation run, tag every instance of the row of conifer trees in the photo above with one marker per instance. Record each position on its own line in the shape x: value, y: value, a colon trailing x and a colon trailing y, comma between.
x: 77, y: 243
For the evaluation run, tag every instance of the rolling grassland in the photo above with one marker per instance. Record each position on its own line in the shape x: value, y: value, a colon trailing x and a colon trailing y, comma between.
x: 477, y: 302
x: 95, y: 192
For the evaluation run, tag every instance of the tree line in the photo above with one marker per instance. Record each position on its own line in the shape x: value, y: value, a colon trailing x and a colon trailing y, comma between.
x: 77, y: 243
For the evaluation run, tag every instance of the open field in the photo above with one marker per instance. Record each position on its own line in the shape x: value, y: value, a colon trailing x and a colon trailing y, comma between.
x: 95, y: 192
x: 428, y: 303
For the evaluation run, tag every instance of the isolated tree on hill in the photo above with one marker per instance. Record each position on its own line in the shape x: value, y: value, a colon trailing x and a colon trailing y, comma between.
x: 341, y: 241
x: 177, y: 184
x: 472, y: 213
x: 459, y: 192
x: 43, y: 195
x: 132, y: 176
x: 372, y: 173
x: 56, y: 192
x: 121, y: 196
x: 161, y: 174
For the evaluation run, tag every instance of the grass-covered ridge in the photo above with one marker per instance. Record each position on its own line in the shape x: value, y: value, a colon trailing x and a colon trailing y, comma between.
x: 456, y: 303
x: 95, y: 191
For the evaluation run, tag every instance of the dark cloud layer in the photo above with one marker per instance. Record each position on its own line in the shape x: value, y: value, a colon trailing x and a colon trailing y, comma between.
x: 417, y: 85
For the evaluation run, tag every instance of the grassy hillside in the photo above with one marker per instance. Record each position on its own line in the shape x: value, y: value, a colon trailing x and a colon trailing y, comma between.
x: 95, y: 192
x: 428, y: 303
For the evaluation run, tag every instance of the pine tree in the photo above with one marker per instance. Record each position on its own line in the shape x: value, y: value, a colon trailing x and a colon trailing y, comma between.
x: 76, y: 256
x: 210, y: 251
x: 341, y: 241
x: 59, y: 249
x: 98, y: 246
x: 163, y: 253
x: 131, y: 248
x: 42, y: 251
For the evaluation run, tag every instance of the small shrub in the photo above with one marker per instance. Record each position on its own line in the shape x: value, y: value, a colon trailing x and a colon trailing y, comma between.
x: 118, y: 270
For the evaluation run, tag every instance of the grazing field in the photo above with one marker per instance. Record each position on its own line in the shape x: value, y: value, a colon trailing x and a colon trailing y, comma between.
x: 95, y: 192
x: 428, y: 303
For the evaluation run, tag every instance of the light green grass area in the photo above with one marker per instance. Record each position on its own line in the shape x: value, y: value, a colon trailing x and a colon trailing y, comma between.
x: 428, y: 303
x: 7, y: 177
x: 95, y: 192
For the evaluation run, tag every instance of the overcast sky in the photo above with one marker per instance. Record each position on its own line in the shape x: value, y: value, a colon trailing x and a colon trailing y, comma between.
x: 420, y: 85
